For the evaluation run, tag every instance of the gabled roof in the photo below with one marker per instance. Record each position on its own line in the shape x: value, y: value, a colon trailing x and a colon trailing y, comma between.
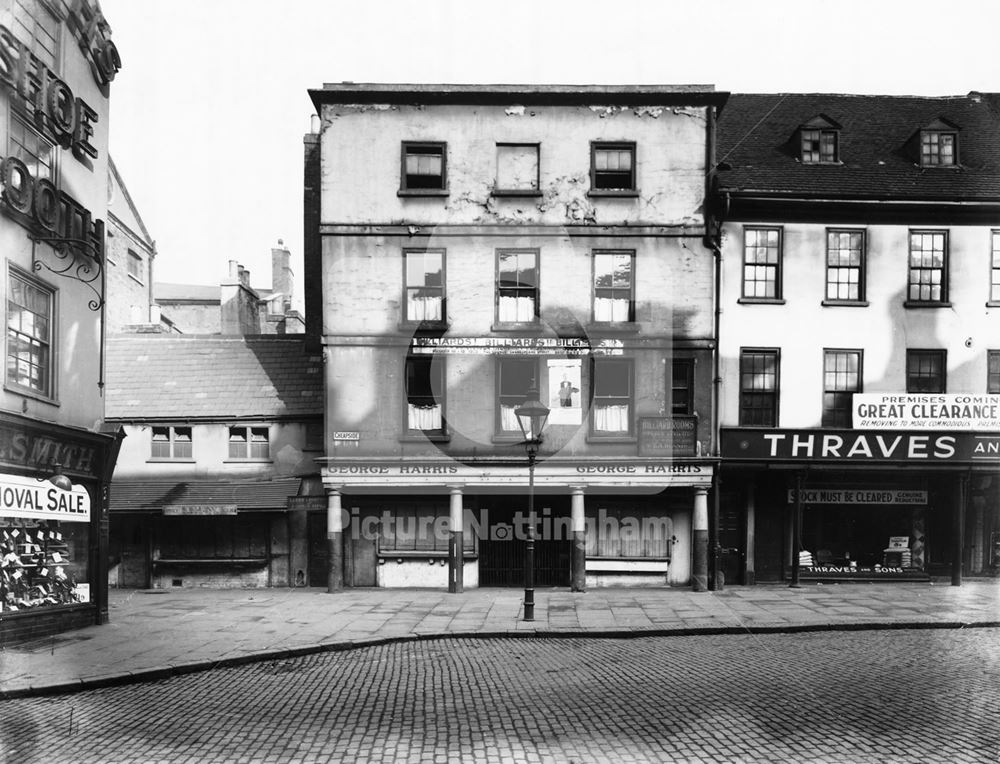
x: 877, y: 159
x: 123, y: 208
x: 166, y: 376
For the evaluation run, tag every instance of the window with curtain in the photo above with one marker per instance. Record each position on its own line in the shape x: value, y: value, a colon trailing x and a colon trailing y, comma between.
x: 425, y: 394
x: 249, y: 443
x: 517, y: 286
x: 171, y: 443
x: 425, y: 296
x: 613, y: 286
x: 515, y: 377
x: 611, y: 396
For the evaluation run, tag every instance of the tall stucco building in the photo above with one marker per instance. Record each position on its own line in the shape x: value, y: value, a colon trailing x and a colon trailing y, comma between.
x: 860, y: 336
x: 468, y: 244
x: 58, y: 62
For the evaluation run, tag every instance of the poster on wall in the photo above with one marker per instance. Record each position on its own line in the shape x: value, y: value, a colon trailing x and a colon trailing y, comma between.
x: 564, y: 391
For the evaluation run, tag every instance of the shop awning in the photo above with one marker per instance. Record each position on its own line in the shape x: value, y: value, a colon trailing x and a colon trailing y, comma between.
x: 248, y: 495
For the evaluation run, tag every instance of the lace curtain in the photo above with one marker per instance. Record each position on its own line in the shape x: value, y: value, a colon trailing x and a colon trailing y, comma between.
x: 517, y: 309
x: 611, y: 418
x: 423, y: 417
x: 426, y: 308
x: 610, y: 309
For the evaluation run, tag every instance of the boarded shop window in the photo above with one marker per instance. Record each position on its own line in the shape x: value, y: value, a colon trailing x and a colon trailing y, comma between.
x: 925, y: 371
x: 517, y: 286
x: 424, y: 271
x: 517, y: 168
x: 841, y: 379
x: 418, y: 527
x: 612, y: 167
x: 29, y: 335
x: 425, y: 394
x: 515, y: 377
x: 249, y: 443
x: 928, y: 271
x: 629, y: 532
x: 424, y: 167
x: 845, y: 252
x: 614, y: 297
x: 759, y: 387
x: 243, y: 537
x: 612, y: 388
x: 171, y: 443
x: 762, y: 263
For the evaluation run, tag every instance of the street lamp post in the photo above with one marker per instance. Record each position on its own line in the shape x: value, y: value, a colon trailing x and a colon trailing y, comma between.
x: 531, y: 418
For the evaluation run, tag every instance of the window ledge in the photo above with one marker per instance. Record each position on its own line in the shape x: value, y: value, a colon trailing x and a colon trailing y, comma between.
x: 136, y: 280
x: 923, y: 304
x: 410, y: 554
x: 612, y: 327
x: 510, y: 439
x: 422, y: 192
x: 534, y: 327
x: 761, y: 301
x: 993, y: 303
x: 423, y: 326
x: 164, y: 460
x: 621, y: 193
x: 425, y: 437
x: 532, y: 192
x: 845, y: 303
x: 592, y: 438
x: 29, y: 393
x: 248, y: 461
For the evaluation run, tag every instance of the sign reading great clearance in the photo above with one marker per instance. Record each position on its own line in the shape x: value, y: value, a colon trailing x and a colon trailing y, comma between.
x: 893, y: 411
x: 40, y: 500
x: 760, y: 444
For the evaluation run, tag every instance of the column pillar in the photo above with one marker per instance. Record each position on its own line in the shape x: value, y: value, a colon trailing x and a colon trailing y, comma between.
x: 578, y: 524
x: 958, y: 530
x: 334, y: 541
x: 456, y: 543
x: 699, y: 524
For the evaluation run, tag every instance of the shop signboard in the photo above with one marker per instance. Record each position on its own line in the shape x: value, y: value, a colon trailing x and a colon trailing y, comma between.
x: 859, y: 496
x: 535, y: 346
x: 854, y: 447
x: 895, y: 411
x: 199, y: 509
x: 39, y: 499
x: 668, y: 436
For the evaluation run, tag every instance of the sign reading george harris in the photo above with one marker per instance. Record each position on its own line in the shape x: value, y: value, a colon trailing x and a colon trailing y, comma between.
x: 851, y: 446
x: 893, y: 411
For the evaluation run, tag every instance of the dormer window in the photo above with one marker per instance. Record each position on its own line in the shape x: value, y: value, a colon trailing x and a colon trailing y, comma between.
x: 819, y: 141
x: 939, y: 144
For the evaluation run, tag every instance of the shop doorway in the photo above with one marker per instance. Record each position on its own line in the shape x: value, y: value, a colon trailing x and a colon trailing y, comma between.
x: 502, y: 544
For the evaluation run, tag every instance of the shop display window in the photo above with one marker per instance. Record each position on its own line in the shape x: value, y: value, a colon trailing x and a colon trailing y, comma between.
x: 43, y: 563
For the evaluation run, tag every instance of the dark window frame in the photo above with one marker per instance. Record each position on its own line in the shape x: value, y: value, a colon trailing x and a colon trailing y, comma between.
x: 406, y: 187
x: 436, y: 365
x: 937, y: 355
x: 993, y: 372
x: 939, y: 133
x: 630, y: 253
x: 498, y: 190
x: 536, y: 289
x: 994, y: 297
x: 773, y: 394
x: 632, y: 189
x: 407, y: 288
x: 778, y: 266
x: 248, y: 443
x: 942, y: 301
x: 686, y: 366
x: 47, y: 344
x: 177, y: 448
x: 835, y: 412
x: 821, y: 132
x: 862, y: 267
x: 134, y: 265
x: 595, y: 396
x: 511, y: 398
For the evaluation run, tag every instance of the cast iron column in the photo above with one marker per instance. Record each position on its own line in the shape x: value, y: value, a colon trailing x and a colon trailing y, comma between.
x: 455, y: 543
x: 796, y: 532
x: 700, y: 552
x: 334, y: 542
x: 529, y: 549
x: 578, y: 522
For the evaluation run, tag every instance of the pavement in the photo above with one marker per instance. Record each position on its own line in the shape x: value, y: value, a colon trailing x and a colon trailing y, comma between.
x: 156, y: 633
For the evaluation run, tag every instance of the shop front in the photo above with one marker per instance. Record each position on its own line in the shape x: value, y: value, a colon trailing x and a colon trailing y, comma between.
x: 53, y: 532
x: 845, y: 505
x: 391, y: 523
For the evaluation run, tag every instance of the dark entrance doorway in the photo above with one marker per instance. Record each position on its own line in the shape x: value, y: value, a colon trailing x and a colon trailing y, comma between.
x: 501, y: 548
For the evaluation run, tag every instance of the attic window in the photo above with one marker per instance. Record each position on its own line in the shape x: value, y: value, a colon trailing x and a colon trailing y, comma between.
x: 819, y: 146
x: 938, y: 148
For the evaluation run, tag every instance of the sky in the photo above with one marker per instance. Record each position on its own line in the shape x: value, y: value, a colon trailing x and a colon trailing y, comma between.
x: 210, y: 107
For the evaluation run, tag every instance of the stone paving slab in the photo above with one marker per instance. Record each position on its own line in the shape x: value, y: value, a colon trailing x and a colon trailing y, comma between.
x: 181, y: 630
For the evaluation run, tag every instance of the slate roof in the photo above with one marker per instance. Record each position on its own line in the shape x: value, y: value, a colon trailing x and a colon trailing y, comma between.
x: 152, y: 495
x: 757, y: 138
x: 164, y: 376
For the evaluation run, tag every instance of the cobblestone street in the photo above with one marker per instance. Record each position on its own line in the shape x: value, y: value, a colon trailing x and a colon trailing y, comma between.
x: 866, y: 696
